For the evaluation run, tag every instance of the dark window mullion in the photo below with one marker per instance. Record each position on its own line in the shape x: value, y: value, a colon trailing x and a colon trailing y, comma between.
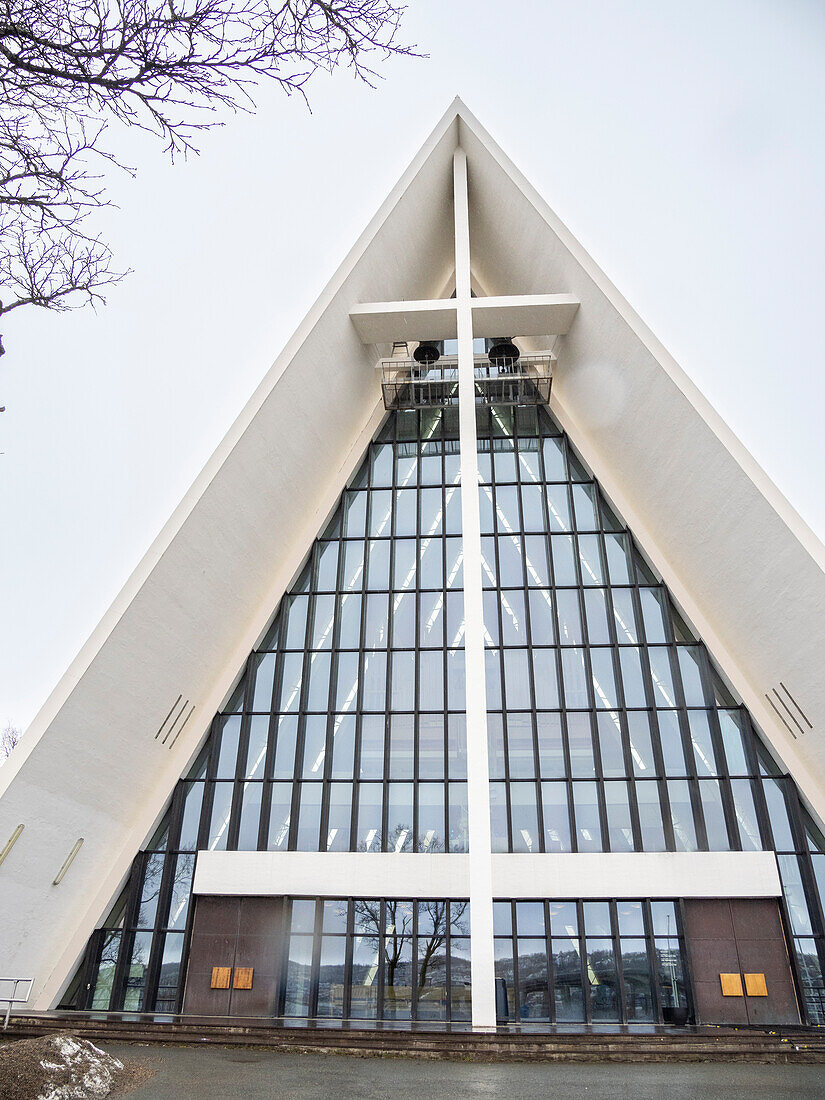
x: 529, y: 636
x: 297, y: 763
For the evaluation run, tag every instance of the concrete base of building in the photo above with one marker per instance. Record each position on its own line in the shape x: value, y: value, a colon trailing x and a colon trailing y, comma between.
x: 603, y: 1044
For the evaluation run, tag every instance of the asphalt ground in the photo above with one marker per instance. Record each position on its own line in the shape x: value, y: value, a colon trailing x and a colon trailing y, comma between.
x: 200, y: 1073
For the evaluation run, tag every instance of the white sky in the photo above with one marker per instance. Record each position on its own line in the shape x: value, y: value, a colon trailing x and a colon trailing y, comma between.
x: 682, y: 143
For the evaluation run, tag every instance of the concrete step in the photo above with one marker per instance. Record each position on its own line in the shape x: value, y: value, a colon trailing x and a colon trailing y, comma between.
x: 707, y: 1044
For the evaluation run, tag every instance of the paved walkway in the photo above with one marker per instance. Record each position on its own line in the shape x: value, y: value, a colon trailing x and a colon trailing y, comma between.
x: 201, y: 1073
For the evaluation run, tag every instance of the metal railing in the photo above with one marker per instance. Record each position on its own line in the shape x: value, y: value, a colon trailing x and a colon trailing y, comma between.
x: 406, y: 384
x: 14, y: 999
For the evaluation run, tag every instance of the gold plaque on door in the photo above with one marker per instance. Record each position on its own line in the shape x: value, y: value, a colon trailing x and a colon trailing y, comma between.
x: 731, y: 985
x: 755, y: 985
x: 221, y: 976
x: 243, y: 977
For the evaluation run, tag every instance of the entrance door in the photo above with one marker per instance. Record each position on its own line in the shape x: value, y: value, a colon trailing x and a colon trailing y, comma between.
x: 739, y: 944
x: 234, y: 957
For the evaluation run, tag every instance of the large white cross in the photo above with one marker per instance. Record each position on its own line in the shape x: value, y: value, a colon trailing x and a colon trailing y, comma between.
x: 462, y: 318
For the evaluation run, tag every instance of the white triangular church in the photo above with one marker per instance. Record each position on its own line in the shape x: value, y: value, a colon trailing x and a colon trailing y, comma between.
x: 476, y: 682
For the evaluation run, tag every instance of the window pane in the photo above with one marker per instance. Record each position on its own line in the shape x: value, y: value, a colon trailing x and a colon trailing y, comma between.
x: 603, y: 980
x: 520, y: 746
x: 556, y: 817
x: 564, y: 567
x: 650, y: 816
x: 250, y: 817
x: 575, y: 679
x: 536, y: 561
x: 399, y: 817
x: 370, y: 801
x: 586, y: 810
x: 595, y: 608
x: 634, y: 688
x: 580, y: 740
x: 315, y: 739
x: 264, y: 677
x: 545, y: 678
x: 640, y: 744
x: 221, y: 809
x: 498, y: 817
x: 279, y: 817
x: 331, y: 976
x: 402, y: 746
x: 702, y: 746
x: 654, y: 614
x: 681, y: 813
x: 228, y: 756
x: 624, y: 616
x: 524, y: 817
x: 691, y: 677
x: 717, y: 831
x: 604, y: 683
x: 340, y: 814
x: 431, y: 562
x: 430, y: 836
x: 590, y: 560
x: 778, y: 814
x: 569, y: 617
x: 516, y: 679
x: 309, y: 818
x: 663, y: 693
x: 610, y: 743
x: 532, y: 508
x: 343, y: 746
x: 745, y: 813
x: 550, y: 745
x: 541, y: 616
x: 372, y: 747
x: 567, y: 980
x: 558, y: 508
x: 376, y: 621
x: 639, y: 1004
x: 733, y: 737
x: 584, y: 506
x: 619, y: 828
x: 671, y: 740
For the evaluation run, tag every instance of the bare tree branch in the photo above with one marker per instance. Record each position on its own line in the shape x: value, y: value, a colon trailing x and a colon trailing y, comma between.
x: 171, y: 67
x: 8, y: 739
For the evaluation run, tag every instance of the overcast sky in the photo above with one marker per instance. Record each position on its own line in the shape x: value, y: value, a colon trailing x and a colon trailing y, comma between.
x: 682, y: 143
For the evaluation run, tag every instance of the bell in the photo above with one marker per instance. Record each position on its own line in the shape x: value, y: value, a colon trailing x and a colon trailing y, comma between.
x: 503, y: 354
x: 427, y: 352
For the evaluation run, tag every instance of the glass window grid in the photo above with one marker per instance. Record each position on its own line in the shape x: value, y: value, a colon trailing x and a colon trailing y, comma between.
x: 507, y: 945
x: 716, y: 699
x: 377, y: 915
x: 453, y: 832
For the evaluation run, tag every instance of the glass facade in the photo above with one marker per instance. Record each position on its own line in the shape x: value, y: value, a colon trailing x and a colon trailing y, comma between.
x: 376, y: 959
x: 568, y: 962
x: 609, y: 728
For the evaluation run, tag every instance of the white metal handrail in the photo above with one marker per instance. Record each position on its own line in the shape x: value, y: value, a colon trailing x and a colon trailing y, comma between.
x: 14, y: 998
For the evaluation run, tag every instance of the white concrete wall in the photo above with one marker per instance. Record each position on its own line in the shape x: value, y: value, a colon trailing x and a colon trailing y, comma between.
x: 556, y: 875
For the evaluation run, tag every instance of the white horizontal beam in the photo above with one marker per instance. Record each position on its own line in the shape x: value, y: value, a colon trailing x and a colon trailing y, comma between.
x: 551, y: 875
x: 524, y: 315
x: 384, y: 322
x: 508, y: 315
x: 637, y: 874
x: 347, y: 874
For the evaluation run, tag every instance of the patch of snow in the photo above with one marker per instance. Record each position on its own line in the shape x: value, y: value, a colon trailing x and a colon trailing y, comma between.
x: 92, y: 1070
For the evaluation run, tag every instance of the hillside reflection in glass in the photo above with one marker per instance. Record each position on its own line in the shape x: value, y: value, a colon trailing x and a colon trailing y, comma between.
x: 609, y: 727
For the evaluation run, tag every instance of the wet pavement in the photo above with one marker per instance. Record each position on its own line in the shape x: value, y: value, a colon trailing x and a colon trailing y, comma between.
x: 200, y: 1073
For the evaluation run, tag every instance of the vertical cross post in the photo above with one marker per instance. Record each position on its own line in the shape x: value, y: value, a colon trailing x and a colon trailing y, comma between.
x: 478, y: 771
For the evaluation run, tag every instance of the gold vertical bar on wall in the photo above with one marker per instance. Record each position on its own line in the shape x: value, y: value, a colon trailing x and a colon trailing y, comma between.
x: 68, y: 862
x: 10, y: 843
